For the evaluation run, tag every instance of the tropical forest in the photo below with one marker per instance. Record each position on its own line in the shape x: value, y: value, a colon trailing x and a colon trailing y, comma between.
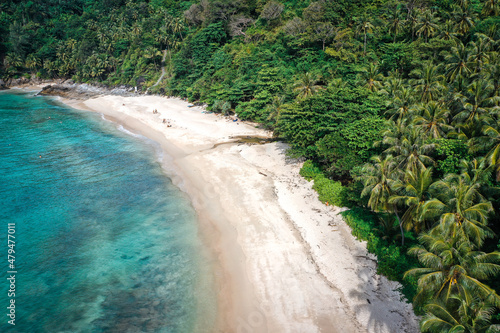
x: 394, y: 105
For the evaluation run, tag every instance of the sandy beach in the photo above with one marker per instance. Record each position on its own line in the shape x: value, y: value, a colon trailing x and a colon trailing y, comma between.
x: 283, y: 261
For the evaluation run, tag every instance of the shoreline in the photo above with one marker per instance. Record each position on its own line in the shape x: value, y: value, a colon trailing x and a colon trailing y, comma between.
x: 284, y: 262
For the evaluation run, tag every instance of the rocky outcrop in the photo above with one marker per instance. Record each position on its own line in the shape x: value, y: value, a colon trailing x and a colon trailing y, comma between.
x: 18, y: 82
x: 56, y: 90
x: 69, y: 89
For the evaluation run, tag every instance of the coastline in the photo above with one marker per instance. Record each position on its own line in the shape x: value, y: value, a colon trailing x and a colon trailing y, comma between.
x: 284, y: 262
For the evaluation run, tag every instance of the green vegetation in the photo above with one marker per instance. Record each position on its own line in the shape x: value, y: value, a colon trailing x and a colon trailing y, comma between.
x: 395, y: 104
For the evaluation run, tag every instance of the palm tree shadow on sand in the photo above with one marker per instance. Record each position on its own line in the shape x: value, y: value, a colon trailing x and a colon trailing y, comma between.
x: 379, y: 308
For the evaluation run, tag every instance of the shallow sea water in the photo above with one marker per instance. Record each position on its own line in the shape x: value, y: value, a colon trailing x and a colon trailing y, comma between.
x: 104, y: 241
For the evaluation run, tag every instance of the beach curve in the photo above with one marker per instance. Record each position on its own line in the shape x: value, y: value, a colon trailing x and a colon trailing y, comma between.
x: 284, y: 262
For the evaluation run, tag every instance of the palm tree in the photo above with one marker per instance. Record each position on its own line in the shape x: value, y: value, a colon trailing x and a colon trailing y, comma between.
x: 409, y: 150
x: 364, y: 27
x: 413, y: 192
x: 392, y: 86
x: 476, y: 103
x: 492, y: 71
x: 452, y: 267
x: 306, y: 85
x: 480, y: 51
x: 492, y: 143
x: 412, y: 22
x: 401, y: 104
x: 379, y: 178
x: 177, y: 26
x: 429, y: 84
x: 460, y: 315
x: 337, y: 83
x: 153, y: 53
x: 458, y: 62
x: 371, y: 77
x: 396, y: 24
x: 462, y: 208
x: 427, y: 25
x: 33, y: 62
x: 274, y: 109
x: 136, y: 30
x: 12, y: 60
x: 161, y: 37
x: 491, y: 8
x: 448, y: 31
x: 464, y: 20
x: 433, y: 118
x: 388, y: 227
x: 50, y: 67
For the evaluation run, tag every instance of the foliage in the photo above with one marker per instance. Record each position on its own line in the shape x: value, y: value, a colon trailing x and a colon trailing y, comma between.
x: 450, y: 153
x: 395, y: 104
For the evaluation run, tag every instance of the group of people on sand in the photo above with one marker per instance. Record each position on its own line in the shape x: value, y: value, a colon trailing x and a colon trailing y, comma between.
x: 165, y: 121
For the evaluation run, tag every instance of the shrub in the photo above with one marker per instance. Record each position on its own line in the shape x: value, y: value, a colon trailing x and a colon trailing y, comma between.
x: 329, y: 191
x: 309, y: 170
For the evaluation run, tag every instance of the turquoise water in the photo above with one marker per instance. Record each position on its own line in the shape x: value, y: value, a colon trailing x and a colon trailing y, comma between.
x: 104, y: 241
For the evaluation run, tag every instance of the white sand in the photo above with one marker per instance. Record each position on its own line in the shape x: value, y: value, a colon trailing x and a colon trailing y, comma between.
x: 284, y: 261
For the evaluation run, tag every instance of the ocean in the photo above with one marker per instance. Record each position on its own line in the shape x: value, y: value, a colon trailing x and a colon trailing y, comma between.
x: 100, y: 238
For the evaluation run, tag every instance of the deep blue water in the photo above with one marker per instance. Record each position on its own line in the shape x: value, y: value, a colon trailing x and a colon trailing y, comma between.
x: 104, y: 241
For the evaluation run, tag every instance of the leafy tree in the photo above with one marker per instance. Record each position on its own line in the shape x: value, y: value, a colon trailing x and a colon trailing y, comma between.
x: 272, y: 10
x: 450, y: 153
x: 349, y: 146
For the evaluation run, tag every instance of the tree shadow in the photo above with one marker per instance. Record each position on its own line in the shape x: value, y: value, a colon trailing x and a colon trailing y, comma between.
x: 380, y: 303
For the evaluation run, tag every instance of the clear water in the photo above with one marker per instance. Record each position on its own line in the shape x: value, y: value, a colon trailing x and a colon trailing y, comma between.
x: 104, y: 241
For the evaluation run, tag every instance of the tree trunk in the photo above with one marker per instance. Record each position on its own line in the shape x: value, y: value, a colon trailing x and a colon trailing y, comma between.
x: 364, y: 46
x: 400, y: 227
